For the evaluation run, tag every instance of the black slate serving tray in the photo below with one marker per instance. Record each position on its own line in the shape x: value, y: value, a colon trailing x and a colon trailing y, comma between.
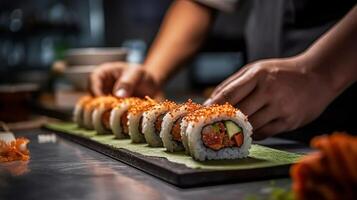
x: 176, y: 173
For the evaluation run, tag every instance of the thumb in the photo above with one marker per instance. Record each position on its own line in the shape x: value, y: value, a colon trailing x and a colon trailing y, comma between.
x: 124, y: 86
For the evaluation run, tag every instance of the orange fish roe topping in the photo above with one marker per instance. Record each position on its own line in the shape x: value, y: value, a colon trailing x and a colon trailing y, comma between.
x: 15, y: 150
x: 188, y: 106
x: 191, y: 106
x: 97, y: 101
x: 211, y: 111
x: 142, y: 106
x: 165, y: 104
x: 131, y: 100
x: 110, y: 103
x: 84, y: 100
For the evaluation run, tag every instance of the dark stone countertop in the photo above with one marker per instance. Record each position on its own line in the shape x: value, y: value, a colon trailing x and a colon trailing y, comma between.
x: 66, y: 170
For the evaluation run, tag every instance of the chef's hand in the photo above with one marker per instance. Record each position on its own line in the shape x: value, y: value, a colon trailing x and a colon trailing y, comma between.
x: 122, y: 80
x: 277, y: 95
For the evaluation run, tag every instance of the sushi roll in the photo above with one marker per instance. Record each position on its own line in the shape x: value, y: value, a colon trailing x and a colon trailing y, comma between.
x: 119, y: 117
x: 152, y: 120
x: 218, y: 132
x: 88, y: 111
x: 79, y: 110
x: 135, y: 118
x: 171, y: 126
x: 101, y: 115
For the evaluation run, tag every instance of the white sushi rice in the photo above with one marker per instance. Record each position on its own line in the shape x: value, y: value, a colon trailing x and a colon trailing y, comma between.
x: 78, y: 111
x: 115, y: 120
x: 184, y: 136
x: 200, y: 152
x: 149, y: 120
x: 135, y: 135
x: 78, y: 115
x: 87, y: 119
x: 97, y: 120
x: 167, y: 124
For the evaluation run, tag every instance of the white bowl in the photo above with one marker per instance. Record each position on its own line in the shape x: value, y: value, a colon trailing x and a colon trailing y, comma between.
x: 94, y: 56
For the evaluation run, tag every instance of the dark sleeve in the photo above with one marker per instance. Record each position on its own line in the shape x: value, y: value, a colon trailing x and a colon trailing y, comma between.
x: 221, y: 5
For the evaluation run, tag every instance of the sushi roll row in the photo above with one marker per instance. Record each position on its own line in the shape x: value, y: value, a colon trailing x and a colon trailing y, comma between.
x: 204, y: 132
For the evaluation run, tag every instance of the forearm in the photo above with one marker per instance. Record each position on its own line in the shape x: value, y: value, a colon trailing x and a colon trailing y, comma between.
x: 181, y: 34
x: 335, y: 54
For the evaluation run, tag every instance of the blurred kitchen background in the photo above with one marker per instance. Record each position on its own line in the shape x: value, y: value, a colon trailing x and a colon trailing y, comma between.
x: 36, y: 38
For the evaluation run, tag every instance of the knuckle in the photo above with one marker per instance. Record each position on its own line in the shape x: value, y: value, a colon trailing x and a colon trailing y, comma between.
x: 260, y: 69
x: 256, y: 71
x: 139, y: 70
x: 221, y: 97
x: 227, y: 94
x: 132, y: 69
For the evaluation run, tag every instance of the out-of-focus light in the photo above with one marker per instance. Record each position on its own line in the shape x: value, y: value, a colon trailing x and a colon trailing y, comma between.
x: 16, y: 20
x: 17, y: 13
x: 15, y: 25
x: 46, y: 138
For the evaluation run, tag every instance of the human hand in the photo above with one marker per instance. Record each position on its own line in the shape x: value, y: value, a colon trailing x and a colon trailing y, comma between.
x: 122, y: 80
x: 277, y: 95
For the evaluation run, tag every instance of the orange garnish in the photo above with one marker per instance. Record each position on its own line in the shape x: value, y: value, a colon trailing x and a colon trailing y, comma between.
x: 329, y: 173
x: 15, y: 150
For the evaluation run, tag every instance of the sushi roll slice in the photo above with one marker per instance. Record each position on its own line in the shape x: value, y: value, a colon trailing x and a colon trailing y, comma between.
x: 88, y: 111
x: 152, y: 121
x: 218, y: 132
x: 171, y: 126
x: 79, y: 110
x: 135, y: 118
x: 119, y: 117
x: 101, y: 115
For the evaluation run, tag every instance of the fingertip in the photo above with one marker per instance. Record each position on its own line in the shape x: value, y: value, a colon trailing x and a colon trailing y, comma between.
x: 121, y: 93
